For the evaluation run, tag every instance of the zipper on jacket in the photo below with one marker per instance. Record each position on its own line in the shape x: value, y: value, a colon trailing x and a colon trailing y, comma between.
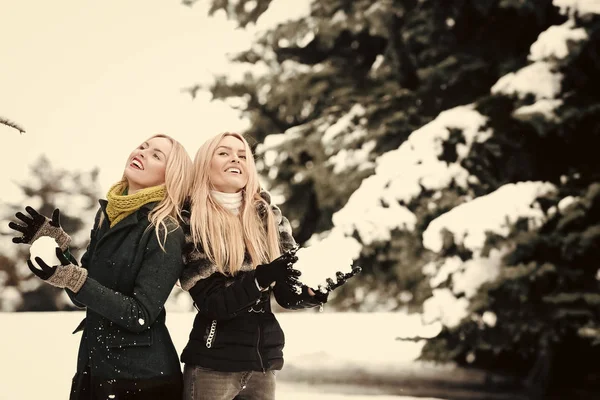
x: 211, y: 334
x: 262, y: 366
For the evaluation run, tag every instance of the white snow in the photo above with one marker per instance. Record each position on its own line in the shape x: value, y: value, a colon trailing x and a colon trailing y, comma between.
x: 494, y: 212
x: 238, y: 72
x: 538, y: 79
x: 373, y: 210
x: 324, y: 258
x: 269, y: 149
x: 582, y: 7
x: 291, y: 69
x: 282, y: 11
x: 306, y: 39
x: 342, y: 125
x: 450, y: 305
x: 489, y: 318
x: 378, y: 61
x: 325, y: 343
x: 335, y: 392
x: 3, y: 278
x: 45, y: 248
x: 543, y: 107
x: 566, y: 202
x: 10, y: 298
x: 450, y: 265
x: 347, y: 159
x: 553, y: 43
x: 445, y: 307
x: 339, y: 17
x: 475, y: 272
x: 365, y: 213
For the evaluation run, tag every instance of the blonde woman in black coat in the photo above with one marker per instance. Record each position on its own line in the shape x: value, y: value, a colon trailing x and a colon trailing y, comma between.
x: 131, y: 264
x: 240, y: 250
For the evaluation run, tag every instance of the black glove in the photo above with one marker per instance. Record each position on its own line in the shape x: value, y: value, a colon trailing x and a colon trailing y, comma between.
x: 341, y: 279
x: 280, y: 270
x: 320, y: 296
x: 38, y: 225
x: 65, y: 275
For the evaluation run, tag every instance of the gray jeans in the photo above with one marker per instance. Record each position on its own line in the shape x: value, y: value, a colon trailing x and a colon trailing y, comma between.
x: 205, y: 384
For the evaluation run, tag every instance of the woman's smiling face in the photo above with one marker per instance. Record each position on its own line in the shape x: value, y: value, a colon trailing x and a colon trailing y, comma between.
x: 228, y: 172
x: 146, y: 165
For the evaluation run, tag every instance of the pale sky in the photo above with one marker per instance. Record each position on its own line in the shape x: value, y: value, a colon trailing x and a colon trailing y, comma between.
x: 90, y: 80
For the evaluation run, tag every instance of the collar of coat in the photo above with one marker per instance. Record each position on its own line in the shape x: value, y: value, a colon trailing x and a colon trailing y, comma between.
x: 198, y: 266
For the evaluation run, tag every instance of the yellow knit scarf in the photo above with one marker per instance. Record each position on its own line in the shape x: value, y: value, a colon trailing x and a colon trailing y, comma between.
x: 120, y: 206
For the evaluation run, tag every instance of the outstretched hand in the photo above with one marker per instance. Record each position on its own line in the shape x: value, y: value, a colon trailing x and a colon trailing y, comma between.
x: 280, y: 270
x: 341, y: 279
x: 37, y: 225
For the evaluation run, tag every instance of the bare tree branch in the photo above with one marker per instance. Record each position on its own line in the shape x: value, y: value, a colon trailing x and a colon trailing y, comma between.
x: 14, y: 125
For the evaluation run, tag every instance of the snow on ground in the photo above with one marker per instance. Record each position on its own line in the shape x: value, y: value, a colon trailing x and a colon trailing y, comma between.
x: 41, y: 349
x: 296, y: 391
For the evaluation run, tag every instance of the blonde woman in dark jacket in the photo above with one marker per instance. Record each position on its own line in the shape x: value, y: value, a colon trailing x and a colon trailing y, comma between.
x: 239, y: 250
x: 131, y: 264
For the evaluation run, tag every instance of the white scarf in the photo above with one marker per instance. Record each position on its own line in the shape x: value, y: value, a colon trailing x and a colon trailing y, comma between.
x: 230, y: 201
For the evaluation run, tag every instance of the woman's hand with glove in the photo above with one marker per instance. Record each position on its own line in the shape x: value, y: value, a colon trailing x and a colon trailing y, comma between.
x: 37, y: 225
x: 278, y: 270
x: 65, y: 275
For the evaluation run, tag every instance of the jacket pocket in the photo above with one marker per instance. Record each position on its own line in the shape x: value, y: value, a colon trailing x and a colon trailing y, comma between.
x: 117, y: 339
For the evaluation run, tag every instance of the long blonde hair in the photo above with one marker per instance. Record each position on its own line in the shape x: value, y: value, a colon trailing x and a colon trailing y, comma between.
x: 178, y: 178
x: 224, y: 237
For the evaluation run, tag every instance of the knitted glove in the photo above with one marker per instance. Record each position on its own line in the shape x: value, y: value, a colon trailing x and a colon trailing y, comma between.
x: 38, y: 225
x: 65, y: 275
x: 280, y: 270
x: 341, y: 279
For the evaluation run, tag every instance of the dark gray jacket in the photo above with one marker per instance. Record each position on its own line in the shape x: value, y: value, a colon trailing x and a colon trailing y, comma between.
x: 129, y: 280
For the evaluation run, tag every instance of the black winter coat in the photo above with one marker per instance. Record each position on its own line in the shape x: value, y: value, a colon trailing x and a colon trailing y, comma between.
x: 235, y: 329
x: 129, y: 279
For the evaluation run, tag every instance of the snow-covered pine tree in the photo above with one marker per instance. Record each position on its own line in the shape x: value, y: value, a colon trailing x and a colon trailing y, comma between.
x: 329, y: 92
x: 537, y: 316
x: 440, y: 136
